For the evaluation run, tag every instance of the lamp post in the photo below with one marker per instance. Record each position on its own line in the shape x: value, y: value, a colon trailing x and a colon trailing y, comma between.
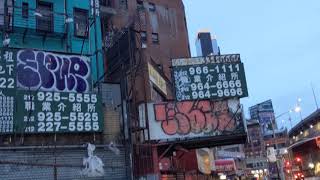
x: 298, y: 108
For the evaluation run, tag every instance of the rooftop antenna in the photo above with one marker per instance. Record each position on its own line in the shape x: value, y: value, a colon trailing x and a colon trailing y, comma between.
x: 314, y: 96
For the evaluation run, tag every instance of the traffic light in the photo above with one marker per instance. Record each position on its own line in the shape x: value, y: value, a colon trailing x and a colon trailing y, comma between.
x: 287, y: 164
x: 298, y: 159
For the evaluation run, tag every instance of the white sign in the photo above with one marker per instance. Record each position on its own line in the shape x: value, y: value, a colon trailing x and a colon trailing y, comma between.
x: 95, y: 8
x: 190, y: 119
x: 6, y: 113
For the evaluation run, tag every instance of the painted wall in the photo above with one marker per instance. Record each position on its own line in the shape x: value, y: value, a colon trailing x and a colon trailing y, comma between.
x: 63, y: 38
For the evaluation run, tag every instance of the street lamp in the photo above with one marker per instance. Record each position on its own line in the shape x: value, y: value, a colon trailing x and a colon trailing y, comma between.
x: 298, y: 108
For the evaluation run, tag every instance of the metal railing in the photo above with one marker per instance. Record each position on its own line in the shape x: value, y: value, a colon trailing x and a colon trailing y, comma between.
x: 18, y: 18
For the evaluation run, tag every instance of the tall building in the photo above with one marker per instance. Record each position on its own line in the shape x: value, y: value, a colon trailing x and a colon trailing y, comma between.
x: 264, y: 113
x: 255, y: 151
x: 272, y: 137
x: 206, y: 44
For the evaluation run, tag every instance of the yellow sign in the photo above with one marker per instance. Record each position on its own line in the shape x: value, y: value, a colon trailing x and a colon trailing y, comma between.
x: 317, y: 169
x: 157, y: 79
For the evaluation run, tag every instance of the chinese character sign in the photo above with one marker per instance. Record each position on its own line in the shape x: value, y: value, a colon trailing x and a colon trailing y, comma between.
x: 45, y: 92
x: 210, y: 81
x: 7, y: 69
x: 7, y: 89
x: 54, y: 112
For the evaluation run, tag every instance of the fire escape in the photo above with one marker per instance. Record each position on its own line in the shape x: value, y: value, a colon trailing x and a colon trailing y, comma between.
x: 25, y: 21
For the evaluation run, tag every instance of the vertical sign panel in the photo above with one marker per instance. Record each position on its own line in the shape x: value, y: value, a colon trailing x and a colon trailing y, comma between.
x: 55, y: 112
x: 7, y: 89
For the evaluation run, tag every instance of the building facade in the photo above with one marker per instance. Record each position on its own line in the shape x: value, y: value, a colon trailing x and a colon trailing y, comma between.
x: 53, y: 60
x: 304, y: 148
x: 140, y: 39
x: 255, y: 151
x: 159, y: 34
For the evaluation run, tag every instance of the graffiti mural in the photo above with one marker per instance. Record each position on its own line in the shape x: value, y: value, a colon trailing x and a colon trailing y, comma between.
x: 194, y: 118
x: 52, y: 72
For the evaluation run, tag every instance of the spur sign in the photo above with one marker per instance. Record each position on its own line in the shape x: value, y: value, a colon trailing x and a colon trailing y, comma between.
x: 52, y: 72
x: 45, y: 92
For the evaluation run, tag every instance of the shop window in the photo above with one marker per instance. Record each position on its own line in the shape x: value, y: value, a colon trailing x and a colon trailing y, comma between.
x: 44, y: 16
x: 155, y: 38
x: 143, y: 35
x: 152, y: 7
x: 108, y: 3
x: 25, y: 10
x: 80, y: 22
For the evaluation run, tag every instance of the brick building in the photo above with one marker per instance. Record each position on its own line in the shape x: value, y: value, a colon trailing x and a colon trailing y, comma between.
x: 160, y: 32
x: 140, y: 39
x: 255, y: 148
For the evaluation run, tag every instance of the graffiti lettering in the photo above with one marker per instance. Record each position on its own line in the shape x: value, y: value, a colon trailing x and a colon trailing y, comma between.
x: 49, y: 71
x: 195, y: 116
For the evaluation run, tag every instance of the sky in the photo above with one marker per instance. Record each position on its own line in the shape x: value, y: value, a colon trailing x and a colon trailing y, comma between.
x: 279, y: 43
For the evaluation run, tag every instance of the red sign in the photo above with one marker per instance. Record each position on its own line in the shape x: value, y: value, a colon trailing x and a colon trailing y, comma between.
x: 225, y: 165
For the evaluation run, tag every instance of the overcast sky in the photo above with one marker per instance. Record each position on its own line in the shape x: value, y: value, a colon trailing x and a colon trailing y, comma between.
x: 279, y: 43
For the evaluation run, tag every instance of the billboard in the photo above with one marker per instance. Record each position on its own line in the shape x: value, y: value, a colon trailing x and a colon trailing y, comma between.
x: 7, y: 90
x: 225, y: 165
x: 265, y: 114
x: 208, y: 80
x: 45, y: 92
x: 190, y: 119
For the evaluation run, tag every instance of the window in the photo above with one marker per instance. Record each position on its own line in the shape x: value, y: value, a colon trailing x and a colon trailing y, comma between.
x: 152, y: 7
x: 156, y: 96
x: 108, y: 3
x: 123, y: 4
x: 140, y: 5
x: 44, y: 16
x: 25, y: 7
x: 143, y: 35
x: 80, y: 22
x: 155, y: 38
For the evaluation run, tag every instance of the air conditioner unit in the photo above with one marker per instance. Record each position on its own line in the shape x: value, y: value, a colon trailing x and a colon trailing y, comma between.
x: 144, y: 46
